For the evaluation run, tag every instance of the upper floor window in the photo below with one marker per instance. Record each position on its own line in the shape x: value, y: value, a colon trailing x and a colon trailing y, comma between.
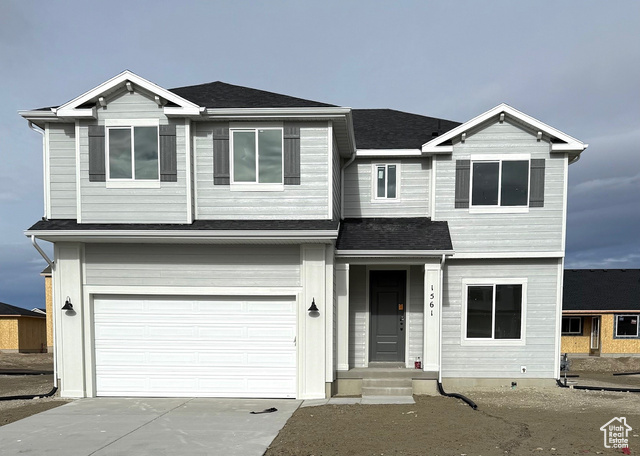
x: 572, y: 326
x: 386, y: 181
x: 627, y: 325
x: 132, y: 153
x: 493, y: 183
x: 500, y: 183
x: 257, y: 156
x: 494, y: 311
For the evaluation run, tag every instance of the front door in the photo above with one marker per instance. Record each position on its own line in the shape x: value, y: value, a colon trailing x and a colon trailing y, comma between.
x: 595, y: 336
x: 387, y: 293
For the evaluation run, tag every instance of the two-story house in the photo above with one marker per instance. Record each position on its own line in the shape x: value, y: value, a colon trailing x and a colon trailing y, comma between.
x: 217, y: 240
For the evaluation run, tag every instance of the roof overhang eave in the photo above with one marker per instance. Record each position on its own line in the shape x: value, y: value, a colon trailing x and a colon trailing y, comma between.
x: 151, y: 236
x: 393, y: 253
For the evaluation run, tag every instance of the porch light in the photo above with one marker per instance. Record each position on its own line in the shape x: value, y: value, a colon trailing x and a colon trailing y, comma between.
x: 313, y: 307
x: 67, y: 304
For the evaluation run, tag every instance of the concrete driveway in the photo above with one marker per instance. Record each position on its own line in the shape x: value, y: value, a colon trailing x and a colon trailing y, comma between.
x: 149, y: 426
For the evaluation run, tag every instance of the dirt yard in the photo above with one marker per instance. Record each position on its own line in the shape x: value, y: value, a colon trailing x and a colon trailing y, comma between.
x: 19, y: 385
x: 519, y: 421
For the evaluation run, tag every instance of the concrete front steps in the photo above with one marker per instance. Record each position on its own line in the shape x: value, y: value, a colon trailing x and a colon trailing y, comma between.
x: 386, y: 379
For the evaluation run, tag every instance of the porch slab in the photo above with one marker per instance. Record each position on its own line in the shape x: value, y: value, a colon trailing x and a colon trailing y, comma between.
x: 376, y: 400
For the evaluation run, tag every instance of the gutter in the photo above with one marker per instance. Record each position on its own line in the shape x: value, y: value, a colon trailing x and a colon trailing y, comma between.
x: 53, y: 319
x: 348, y: 162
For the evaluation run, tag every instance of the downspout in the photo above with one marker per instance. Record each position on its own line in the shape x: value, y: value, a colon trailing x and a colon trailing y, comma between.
x: 353, y: 157
x: 44, y: 162
x: 53, y: 314
x: 441, y: 390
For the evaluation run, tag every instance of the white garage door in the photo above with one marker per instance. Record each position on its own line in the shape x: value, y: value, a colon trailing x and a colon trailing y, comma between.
x: 189, y: 347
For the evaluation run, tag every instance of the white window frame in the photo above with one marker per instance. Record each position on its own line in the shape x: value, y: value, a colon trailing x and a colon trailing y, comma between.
x: 374, y: 182
x: 570, y: 333
x: 466, y: 283
x: 255, y: 186
x: 637, y: 316
x: 130, y: 182
x: 498, y: 208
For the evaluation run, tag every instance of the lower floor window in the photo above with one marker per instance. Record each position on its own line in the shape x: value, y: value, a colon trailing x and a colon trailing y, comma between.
x: 494, y: 311
x: 571, y: 326
x: 627, y: 325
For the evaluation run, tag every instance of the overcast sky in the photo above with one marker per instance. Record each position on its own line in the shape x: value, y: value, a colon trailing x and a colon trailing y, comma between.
x: 574, y: 65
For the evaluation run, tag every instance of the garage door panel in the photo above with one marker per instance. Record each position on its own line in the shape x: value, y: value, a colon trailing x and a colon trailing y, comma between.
x: 224, y: 347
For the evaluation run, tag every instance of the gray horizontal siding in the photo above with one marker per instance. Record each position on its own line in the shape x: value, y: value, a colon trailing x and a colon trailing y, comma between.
x: 167, y: 204
x: 337, y: 178
x: 309, y: 200
x: 62, y: 171
x: 192, y: 265
x: 414, y: 189
x: 538, y: 230
x: 538, y: 353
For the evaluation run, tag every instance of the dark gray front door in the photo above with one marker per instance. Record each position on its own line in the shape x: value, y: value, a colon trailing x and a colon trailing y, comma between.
x: 387, y: 293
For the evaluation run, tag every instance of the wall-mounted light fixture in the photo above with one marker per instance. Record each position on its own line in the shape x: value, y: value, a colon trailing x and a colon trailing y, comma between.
x: 313, y: 307
x: 67, y: 304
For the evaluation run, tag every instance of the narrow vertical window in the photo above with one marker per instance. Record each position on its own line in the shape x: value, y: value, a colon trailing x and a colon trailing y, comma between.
x: 386, y: 182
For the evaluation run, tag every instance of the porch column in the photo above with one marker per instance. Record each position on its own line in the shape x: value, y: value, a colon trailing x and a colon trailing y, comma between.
x: 432, y: 301
x: 67, y: 277
x: 342, y: 335
x: 311, y: 326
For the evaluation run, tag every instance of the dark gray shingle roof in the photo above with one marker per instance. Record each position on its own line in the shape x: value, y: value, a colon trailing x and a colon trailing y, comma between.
x: 212, y: 225
x: 418, y: 233
x: 9, y: 310
x: 391, y: 129
x: 222, y: 95
x: 601, y: 289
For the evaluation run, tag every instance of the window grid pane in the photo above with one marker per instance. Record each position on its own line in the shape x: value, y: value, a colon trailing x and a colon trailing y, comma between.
x: 270, y: 156
x: 508, y: 311
x: 479, y: 311
x: 514, y: 183
x: 381, y: 182
x: 485, y: 184
x: 120, y: 153
x: 244, y: 156
x: 146, y: 152
x: 391, y: 181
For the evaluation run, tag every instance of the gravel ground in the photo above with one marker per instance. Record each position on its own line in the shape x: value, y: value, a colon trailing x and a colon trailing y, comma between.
x: 19, y: 385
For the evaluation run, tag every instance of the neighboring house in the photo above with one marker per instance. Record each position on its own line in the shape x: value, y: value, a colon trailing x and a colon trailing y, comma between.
x: 217, y: 240
x: 21, y: 330
x: 48, y: 293
x: 601, y: 312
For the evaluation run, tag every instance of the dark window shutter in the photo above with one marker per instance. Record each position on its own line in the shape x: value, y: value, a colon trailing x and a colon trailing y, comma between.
x: 463, y: 177
x: 168, y: 154
x: 221, y: 154
x: 536, y: 192
x: 97, y: 165
x: 291, y: 153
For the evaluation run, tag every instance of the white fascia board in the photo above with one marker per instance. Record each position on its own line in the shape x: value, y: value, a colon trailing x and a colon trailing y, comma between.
x: 499, y: 255
x: 572, y: 143
x: 388, y: 153
x: 393, y: 253
x: 37, y: 115
x: 88, y: 113
x: 179, y: 111
x: 432, y: 150
x: 69, y: 108
x: 183, y: 235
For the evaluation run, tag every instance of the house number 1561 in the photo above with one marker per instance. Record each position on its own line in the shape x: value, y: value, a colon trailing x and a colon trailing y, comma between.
x: 432, y: 296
